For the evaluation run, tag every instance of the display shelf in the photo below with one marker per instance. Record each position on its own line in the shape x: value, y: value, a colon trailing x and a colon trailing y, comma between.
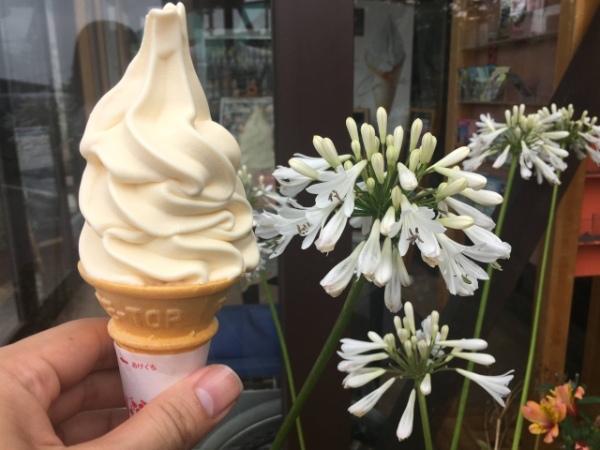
x: 512, y: 41
x: 502, y: 103
x: 239, y: 37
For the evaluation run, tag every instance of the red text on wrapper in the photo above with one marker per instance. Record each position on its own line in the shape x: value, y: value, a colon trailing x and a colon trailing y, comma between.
x: 134, y: 406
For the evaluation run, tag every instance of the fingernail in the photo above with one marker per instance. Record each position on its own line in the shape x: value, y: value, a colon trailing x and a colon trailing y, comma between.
x: 218, y: 389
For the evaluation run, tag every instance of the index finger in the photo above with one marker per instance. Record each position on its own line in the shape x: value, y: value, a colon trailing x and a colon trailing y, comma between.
x: 65, y: 354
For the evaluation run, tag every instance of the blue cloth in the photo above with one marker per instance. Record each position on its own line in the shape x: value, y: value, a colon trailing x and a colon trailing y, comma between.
x: 246, y: 341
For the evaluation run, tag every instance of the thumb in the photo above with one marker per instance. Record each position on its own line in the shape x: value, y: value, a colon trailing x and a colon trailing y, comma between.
x: 182, y: 415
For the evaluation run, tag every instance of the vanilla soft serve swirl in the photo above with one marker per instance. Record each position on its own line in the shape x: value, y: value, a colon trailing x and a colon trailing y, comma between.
x: 160, y: 194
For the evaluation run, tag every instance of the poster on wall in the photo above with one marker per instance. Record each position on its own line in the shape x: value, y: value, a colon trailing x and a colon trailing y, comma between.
x: 250, y: 121
x: 383, y: 43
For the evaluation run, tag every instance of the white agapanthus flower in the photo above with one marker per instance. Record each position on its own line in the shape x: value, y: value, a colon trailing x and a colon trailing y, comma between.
x: 377, y: 189
x: 263, y: 198
x: 540, y: 141
x: 413, y: 354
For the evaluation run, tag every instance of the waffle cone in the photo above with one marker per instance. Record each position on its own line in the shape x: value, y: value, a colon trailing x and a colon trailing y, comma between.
x: 160, y: 319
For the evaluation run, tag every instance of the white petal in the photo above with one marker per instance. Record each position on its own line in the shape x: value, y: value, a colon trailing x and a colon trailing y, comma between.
x: 331, y: 232
x: 338, y: 278
x: 370, y: 255
x: 383, y: 273
x: 408, y: 180
x: 355, y: 347
x: 358, y: 379
x: 502, y: 158
x: 387, y: 221
x: 405, y: 426
x: 494, y: 385
x: 465, y: 344
x: 367, y: 403
x: 452, y: 158
x: 474, y: 180
x: 426, y: 385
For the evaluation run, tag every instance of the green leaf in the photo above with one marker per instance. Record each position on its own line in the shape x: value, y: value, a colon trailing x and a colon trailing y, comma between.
x: 588, y: 400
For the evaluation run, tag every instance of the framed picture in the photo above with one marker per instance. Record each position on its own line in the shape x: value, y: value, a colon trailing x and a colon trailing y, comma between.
x: 427, y: 116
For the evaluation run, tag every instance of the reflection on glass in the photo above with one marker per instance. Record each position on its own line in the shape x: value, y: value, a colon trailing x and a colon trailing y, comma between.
x: 8, y: 303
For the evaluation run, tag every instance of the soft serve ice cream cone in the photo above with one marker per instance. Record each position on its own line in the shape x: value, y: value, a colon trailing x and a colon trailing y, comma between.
x: 168, y: 229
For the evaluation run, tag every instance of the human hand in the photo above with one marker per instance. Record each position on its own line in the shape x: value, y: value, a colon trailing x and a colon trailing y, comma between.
x: 62, y: 387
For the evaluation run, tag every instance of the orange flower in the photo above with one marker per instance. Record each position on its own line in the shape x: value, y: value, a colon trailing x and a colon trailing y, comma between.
x: 564, y: 393
x: 579, y: 445
x: 545, y: 417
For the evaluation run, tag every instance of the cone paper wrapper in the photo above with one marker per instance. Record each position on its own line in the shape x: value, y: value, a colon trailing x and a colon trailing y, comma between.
x: 145, y: 376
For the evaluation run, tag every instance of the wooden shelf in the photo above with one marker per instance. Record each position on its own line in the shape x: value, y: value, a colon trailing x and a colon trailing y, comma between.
x: 513, y: 41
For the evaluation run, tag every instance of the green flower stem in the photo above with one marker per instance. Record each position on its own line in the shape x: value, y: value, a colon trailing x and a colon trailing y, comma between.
x: 328, y: 349
x: 284, y: 352
x: 537, y: 442
x: 424, y: 418
x: 483, y: 305
x: 536, y: 317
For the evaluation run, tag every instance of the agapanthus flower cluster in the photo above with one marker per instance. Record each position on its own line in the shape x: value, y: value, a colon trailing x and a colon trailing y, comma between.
x: 541, y: 141
x: 413, y: 354
x: 547, y: 415
x: 262, y: 198
x: 377, y: 189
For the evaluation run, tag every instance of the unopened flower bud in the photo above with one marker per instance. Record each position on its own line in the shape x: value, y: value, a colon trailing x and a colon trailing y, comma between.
x: 378, y: 167
x: 422, y: 346
x: 331, y: 155
x: 370, y: 185
x: 382, y: 123
x: 403, y: 335
x: 456, y: 222
x: 413, y: 341
x: 391, y: 154
x: 390, y: 340
x: 303, y: 169
x: 415, y: 134
x: 388, y: 219
x: 444, y: 332
x: 397, y: 323
x: 352, y: 128
x: 398, y: 136
x: 435, y: 317
x: 483, y: 196
x: 407, y: 178
x: 410, y: 315
x: 427, y: 148
x: 368, y: 135
x: 450, y: 189
x: 451, y: 158
x: 355, y: 146
x: 408, y: 348
x: 396, y: 197
x: 414, y: 159
x: 389, y: 140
